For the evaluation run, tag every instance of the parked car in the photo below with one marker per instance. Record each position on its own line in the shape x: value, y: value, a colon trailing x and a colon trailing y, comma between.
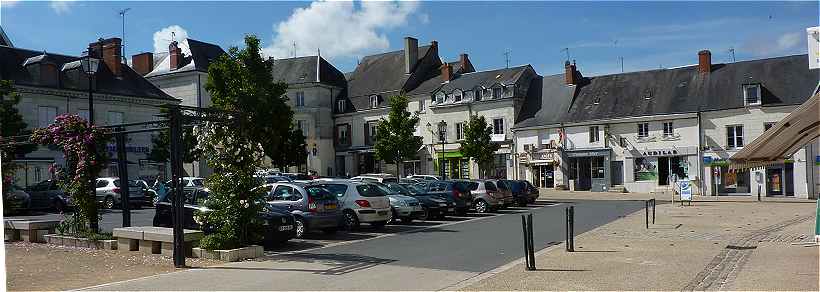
x: 424, y: 177
x: 403, y: 207
x: 15, y: 200
x: 409, y: 180
x: 517, y: 189
x: 108, y: 193
x: 435, y: 206
x: 360, y: 202
x: 150, y: 194
x: 531, y: 190
x: 375, y: 177
x: 486, y: 197
x: 189, y: 184
x: 48, y: 195
x: 298, y: 177
x: 458, y: 191
x: 313, y: 207
x: 278, y: 229
x: 270, y: 179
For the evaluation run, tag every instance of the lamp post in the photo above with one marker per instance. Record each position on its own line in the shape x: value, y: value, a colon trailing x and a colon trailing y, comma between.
x: 442, y: 136
x: 90, y: 66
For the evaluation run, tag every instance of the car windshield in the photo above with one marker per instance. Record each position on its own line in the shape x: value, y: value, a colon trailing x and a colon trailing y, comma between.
x: 319, y: 193
x: 461, y: 186
x: 336, y: 189
x: 273, y: 179
x: 490, y: 186
x: 131, y: 183
x: 386, y: 189
x: 472, y: 185
x: 198, y: 182
x: 400, y: 189
x: 370, y: 190
x: 390, y: 180
x: 413, y: 189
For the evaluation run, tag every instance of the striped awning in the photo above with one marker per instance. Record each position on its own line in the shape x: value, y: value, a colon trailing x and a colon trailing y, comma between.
x: 783, y: 139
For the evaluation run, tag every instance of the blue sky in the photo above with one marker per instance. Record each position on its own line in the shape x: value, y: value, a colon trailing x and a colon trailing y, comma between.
x: 647, y: 35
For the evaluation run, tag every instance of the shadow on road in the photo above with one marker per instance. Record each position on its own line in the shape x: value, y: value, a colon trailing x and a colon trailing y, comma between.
x: 337, y: 264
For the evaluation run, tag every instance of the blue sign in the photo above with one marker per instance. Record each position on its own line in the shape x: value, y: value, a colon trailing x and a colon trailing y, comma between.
x: 707, y: 159
x: 817, y: 160
x: 685, y: 190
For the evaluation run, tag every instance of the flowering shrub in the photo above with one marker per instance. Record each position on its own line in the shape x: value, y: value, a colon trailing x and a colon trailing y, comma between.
x: 234, y: 199
x: 83, y: 147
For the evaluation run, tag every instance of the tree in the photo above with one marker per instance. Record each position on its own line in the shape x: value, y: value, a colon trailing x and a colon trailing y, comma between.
x: 477, y: 143
x: 395, y: 141
x: 295, y: 149
x: 11, y: 124
x: 161, y: 147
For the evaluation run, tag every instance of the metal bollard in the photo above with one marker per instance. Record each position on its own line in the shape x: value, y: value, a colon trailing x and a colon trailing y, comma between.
x: 647, y: 213
x: 526, y: 242
x: 653, y: 211
x: 570, y: 228
x: 532, y: 243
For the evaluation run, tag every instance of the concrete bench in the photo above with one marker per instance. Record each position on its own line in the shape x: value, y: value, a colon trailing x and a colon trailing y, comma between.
x: 29, y: 230
x: 154, y: 240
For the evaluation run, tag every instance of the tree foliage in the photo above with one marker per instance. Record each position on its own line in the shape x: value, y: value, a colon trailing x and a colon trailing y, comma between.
x: 161, y: 147
x: 395, y: 141
x: 295, y: 148
x: 477, y: 143
x: 11, y: 124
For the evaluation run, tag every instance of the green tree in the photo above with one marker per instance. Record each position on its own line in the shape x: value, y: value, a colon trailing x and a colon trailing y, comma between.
x: 161, y: 147
x: 11, y: 124
x: 395, y: 141
x: 295, y: 148
x: 477, y: 143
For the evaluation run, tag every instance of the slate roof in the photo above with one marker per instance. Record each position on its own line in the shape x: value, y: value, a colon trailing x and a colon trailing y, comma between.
x: 303, y: 70
x: 484, y: 79
x: 547, y: 102
x: 381, y: 73
x: 784, y: 81
x: 200, y: 58
x: 4, y: 39
x: 130, y: 84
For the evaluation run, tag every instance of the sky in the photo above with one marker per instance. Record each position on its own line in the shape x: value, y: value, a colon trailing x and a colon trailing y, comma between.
x: 596, y: 34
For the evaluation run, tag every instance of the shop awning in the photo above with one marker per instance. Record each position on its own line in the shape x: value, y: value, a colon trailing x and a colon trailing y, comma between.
x: 783, y: 139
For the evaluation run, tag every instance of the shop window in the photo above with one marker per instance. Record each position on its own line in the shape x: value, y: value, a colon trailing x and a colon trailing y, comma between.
x: 734, y: 181
x: 597, y: 167
x: 734, y: 136
x: 500, y: 166
x: 646, y: 168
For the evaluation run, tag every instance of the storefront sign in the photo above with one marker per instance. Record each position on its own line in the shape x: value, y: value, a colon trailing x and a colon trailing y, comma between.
x: 665, y: 152
x: 587, y: 153
x: 817, y: 160
x: 685, y: 190
x: 131, y: 149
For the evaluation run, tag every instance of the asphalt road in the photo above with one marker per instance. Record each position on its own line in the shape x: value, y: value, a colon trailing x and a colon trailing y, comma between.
x: 431, y: 256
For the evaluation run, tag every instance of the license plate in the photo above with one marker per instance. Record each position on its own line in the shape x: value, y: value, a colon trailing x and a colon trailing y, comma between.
x: 330, y: 207
x: 285, y: 227
x: 382, y: 213
x: 442, y: 205
x: 451, y: 210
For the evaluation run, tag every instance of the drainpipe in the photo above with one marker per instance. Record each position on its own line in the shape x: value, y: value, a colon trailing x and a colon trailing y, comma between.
x: 701, y: 171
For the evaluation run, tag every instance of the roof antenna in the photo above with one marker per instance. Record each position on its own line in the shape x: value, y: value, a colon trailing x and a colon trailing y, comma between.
x: 122, y: 13
x: 622, y: 64
x: 732, y: 52
x: 173, y: 36
x: 294, y: 50
x: 566, y: 50
x: 507, y: 57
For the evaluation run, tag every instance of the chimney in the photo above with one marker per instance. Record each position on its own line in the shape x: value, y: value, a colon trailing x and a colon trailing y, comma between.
x: 110, y: 51
x: 143, y: 63
x: 466, y: 65
x: 446, y: 72
x: 411, y: 54
x: 175, y: 53
x: 704, y: 61
x: 571, y: 75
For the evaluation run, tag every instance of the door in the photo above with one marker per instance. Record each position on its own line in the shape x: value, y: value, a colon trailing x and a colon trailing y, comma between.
x: 617, y: 172
x: 774, y: 181
x: 547, y: 175
x: 584, y: 174
x: 663, y: 171
x: 536, y: 176
x: 788, y: 179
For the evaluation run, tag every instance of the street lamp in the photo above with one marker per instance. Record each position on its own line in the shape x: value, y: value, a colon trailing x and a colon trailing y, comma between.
x: 442, y: 136
x: 90, y: 66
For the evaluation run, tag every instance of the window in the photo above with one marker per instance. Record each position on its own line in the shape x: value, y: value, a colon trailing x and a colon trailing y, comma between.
x: 440, y: 97
x: 302, y: 125
x: 623, y: 142
x: 457, y: 95
x: 374, y: 101
x: 597, y: 167
x: 734, y: 136
x: 370, y: 132
x: 115, y: 118
x: 83, y: 114
x: 46, y: 115
x: 668, y: 129
x: 421, y: 105
x: 497, y: 92
x: 508, y: 91
x: 459, y: 131
x: 442, y: 132
x: 768, y: 125
x: 342, y: 135
x: 300, y: 98
x: 593, y: 134
x: 751, y: 94
x: 285, y: 193
x: 643, y: 130
x: 498, y: 126
x: 340, y: 106
x: 477, y: 94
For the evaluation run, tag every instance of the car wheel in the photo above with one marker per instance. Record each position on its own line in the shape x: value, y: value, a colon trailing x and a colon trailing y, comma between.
x: 351, y: 221
x: 331, y: 230
x: 108, y: 203
x: 394, y: 217
x: 481, y: 206
x: 378, y: 224
x: 300, y: 227
x: 407, y: 220
x: 440, y: 216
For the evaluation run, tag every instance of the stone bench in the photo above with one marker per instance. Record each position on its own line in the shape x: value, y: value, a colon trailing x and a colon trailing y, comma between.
x: 154, y: 240
x: 29, y: 230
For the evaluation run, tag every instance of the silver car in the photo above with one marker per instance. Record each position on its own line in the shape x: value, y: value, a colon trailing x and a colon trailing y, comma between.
x: 313, y: 207
x: 487, y: 197
x: 360, y: 202
x: 108, y: 193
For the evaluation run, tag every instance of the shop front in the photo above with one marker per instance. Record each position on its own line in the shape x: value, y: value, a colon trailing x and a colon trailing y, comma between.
x: 542, y: 165
x: 589, y: 170
x: 453, y: 165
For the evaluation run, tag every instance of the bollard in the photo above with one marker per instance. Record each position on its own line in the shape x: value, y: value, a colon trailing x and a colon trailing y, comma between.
x: 570, y: 228
x: 647, y: 213
x: 526, y: 242
x: 653, y: 211
x: 531, y: 243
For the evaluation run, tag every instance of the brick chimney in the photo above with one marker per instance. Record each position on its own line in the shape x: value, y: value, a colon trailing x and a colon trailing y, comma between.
x: 704, y: 61
x: 466, y: 65
x: 175, y: 54
x: 571, y: 74
x: 143, y: 63
x: 446, y: 72
x: 411, y: 54
x: 110, y: 51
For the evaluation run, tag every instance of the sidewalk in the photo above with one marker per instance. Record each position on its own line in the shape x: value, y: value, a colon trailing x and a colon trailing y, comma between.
x: 725, y: 243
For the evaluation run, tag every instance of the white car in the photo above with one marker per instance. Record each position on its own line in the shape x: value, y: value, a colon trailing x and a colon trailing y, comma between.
x: 424, y: 177
x: 375, y: 177
x: 360, y: 202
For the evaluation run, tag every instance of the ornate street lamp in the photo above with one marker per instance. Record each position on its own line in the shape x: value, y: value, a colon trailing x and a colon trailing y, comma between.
x: 442, y: 137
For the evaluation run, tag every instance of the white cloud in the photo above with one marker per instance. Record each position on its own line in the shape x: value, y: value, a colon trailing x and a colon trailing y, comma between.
x: 8, y: 3
x: 163, y: 37
x: 61, y: 6
x: 339, y: 29
x: 773, y: 45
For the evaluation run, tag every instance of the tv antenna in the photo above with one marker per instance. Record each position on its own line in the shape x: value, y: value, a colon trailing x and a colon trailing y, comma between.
x: 566, y: 50
x: 732, y: 53
x: 122, y: 14
x: 507, y: 57
x: 294, y: 50
x: 622, y: 63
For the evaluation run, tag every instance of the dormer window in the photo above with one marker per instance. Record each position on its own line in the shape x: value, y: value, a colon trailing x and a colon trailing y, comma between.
x: 508, y: 91
x: 751, y: 94
x: 457, y: 95
x: 440, y: 97
x: 497, y: 92
x: 477, y: 94
x: 374, y: 101
x: 340, y: 106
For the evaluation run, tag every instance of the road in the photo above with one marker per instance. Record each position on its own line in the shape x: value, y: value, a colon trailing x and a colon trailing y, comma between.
x: 431, y: 256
